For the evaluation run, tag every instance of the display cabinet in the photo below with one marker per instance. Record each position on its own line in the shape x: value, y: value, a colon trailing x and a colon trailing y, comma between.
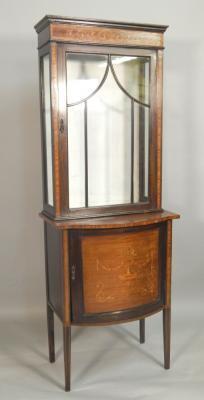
x: 107, y: 238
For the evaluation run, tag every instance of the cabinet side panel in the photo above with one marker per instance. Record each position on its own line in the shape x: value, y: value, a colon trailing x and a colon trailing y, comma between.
x: 54, y: 269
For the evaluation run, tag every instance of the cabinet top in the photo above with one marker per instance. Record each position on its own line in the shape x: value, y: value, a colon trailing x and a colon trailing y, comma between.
x: 122, y: 221
x: 48, y: 19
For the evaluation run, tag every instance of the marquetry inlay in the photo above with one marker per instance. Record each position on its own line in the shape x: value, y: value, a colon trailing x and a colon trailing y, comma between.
x: 94, y: 34
x: 120, y: 271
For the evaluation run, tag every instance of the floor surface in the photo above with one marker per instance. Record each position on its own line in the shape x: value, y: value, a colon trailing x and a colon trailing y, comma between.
x: 107, y: 362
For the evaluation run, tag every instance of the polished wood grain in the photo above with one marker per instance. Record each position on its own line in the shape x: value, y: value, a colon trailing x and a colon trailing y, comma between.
x: 142, y: 330
x: 119, y: 248
x: 99, y: 35
x: 141, y: 313
x: 148, y: 203
x: 66, y: 278
x: 54, y: 271
x: 167, y: 309
x: 50, y: 313
x: 51, y: 336
x: 167, y: 336
x: 168, y: 263
x: 110, y: 264
x: 67, y: 356
x: 48, y: 19
x: 126, y: 221
x: 60, y: 136
x: 44, y: 37
x: 120, y: 271
x: 99, y: 31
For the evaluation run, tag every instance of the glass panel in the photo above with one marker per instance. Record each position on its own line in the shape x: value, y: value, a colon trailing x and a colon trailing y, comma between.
x: 136, y: 141
x: 76, y: 156
x: 146, y: 153
x: 141, y: 153
x: 84, y: 74
x: 109, y: 150
x: 108, y: 130
x: 133, y: 75
x: 48, y: 129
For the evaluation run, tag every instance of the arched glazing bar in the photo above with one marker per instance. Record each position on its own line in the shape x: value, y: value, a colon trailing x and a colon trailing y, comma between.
x: 95, y: 91
x: 121, y: 86
x: 108, y: 64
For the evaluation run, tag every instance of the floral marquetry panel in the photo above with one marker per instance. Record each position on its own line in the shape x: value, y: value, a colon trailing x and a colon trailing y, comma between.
x: 120, y: 271
x: 94, y: 34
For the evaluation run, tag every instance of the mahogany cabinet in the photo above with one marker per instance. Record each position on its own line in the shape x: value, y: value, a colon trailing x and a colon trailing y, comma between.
x: 107, y: 238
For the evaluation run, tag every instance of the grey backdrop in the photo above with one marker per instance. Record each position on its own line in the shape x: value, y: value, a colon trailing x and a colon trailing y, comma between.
x: 22, y: 283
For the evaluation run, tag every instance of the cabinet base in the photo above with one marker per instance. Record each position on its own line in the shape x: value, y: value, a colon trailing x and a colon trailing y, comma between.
x: 67, y: 341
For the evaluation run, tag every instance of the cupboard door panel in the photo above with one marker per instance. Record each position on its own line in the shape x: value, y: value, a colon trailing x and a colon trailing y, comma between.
x: 119, y: 271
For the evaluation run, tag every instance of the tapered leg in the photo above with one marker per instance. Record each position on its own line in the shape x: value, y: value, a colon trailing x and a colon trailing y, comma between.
x: 167, y: 336
x: 67, y: 356
x: 142, y: 330
x: 50, y: 330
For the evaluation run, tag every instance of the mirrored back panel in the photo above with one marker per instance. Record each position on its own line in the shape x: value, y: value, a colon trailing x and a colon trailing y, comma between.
x: 108, y: 114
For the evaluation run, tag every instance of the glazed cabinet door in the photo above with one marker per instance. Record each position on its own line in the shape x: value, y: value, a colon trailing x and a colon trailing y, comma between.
x: 107, y: 130
x: 117, y: 274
